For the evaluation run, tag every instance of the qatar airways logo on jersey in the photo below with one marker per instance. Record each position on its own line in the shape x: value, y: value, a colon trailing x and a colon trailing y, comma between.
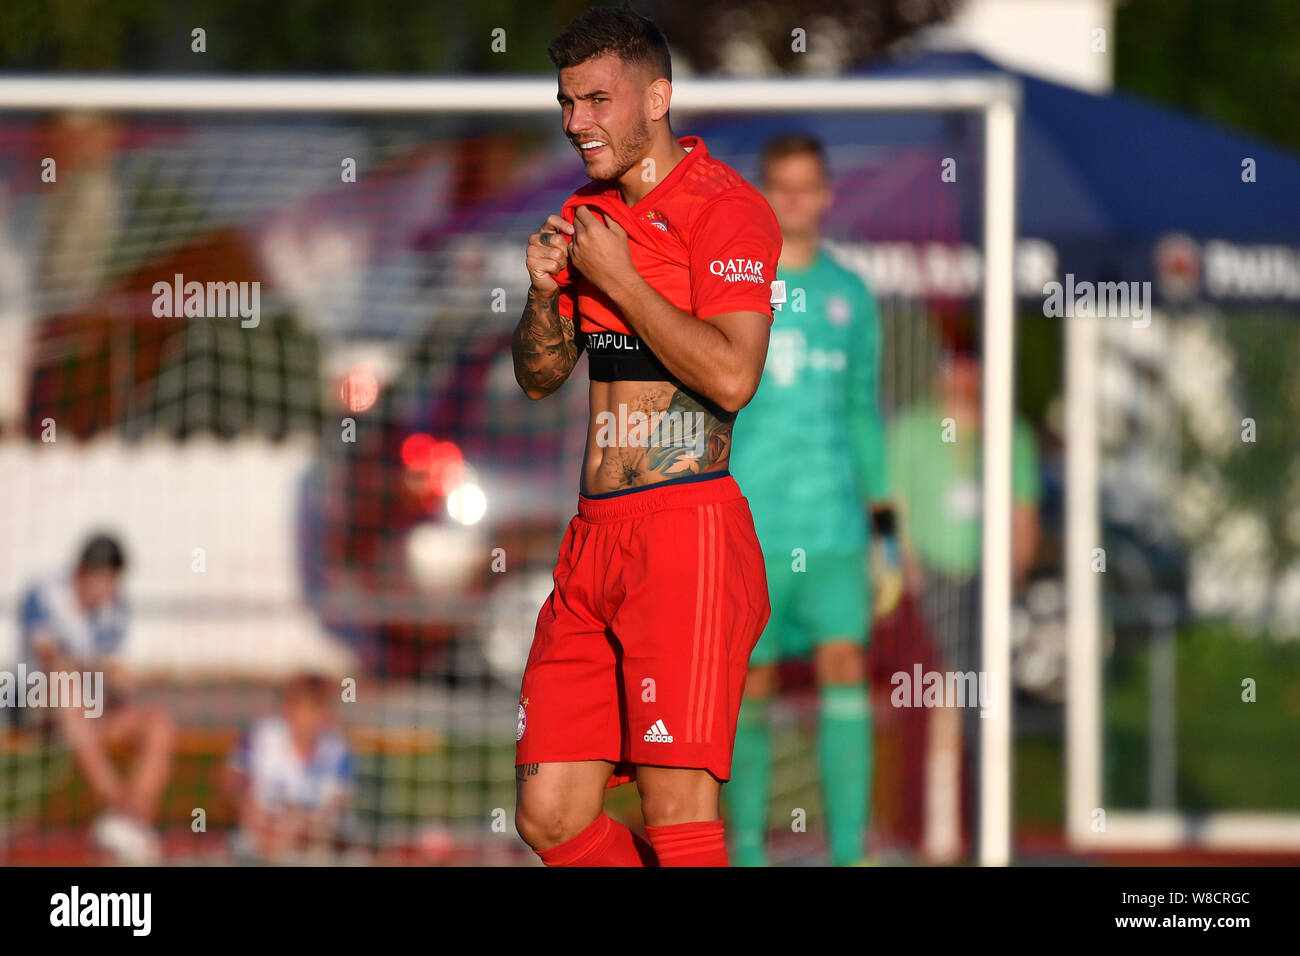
x: 737, y: 270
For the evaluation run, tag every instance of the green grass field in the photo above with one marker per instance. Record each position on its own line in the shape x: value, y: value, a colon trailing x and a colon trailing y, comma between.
x: 1231, y: 755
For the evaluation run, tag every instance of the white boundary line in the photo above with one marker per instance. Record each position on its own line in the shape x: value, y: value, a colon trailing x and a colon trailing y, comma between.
x: 1157, y: 830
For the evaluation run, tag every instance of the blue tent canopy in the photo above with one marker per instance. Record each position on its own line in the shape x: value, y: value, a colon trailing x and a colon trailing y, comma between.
x: 1114, y: 188
x: 1111, y: 167
x: 1122, y: 189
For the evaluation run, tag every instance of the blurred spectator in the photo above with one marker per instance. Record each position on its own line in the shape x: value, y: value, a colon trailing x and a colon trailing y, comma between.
x: 84, y: 210
x: 76, y: 623
x: 935, y: 454
x: 17, y: 315
x: 937, y: 472
x: 291, y: 776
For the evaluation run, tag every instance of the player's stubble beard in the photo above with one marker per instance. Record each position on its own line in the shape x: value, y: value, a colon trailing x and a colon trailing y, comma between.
x: 629, y: 152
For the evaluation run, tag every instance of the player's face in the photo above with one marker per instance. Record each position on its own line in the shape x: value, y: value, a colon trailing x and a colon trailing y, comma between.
x: 961, y: 380
x: 604, y: 106
x: 97, y: 587
x: 304, y: 713
x: 796, y: 189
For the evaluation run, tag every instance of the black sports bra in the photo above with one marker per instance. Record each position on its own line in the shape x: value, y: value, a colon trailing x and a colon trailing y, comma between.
x: 621, y: 357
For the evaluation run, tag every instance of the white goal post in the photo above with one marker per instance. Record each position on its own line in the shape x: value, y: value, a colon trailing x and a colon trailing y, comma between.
x: 995, y: 97
x: 1090, y: 826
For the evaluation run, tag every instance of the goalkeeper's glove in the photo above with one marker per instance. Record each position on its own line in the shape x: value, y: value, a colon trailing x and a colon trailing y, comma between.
x: 886, y: 564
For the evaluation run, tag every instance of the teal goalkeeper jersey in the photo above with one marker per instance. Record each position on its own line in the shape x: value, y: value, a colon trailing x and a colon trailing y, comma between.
x: 809, y: 449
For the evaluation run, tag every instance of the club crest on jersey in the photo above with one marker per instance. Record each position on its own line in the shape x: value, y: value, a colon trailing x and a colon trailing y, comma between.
x: 837, y: 311
x: 657, y: 220
x: 737, y: 270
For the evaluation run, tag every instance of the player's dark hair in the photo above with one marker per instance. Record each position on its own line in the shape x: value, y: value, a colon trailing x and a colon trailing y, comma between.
x: 792, y: 144
x: 623, y: 32
x: 101, y: 551
x: 311, y: 686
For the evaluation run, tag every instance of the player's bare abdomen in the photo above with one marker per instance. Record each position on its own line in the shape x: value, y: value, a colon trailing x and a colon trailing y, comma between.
x: 642, y: 433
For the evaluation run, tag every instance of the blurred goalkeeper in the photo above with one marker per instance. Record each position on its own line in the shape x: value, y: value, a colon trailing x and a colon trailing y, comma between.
x: 809, y: 452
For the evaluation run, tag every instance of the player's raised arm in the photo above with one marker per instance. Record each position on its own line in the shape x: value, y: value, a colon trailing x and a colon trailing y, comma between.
x: 720, y: 357
x: 733, y: 261
x: 544, y: 348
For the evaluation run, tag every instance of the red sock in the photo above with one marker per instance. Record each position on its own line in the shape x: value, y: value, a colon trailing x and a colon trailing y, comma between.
x: 689, y: 844
x: 605, y: 842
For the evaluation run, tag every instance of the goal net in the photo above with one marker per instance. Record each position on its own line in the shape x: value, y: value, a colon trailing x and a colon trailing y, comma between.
x: 1181, y: 730
x: 260, y: 332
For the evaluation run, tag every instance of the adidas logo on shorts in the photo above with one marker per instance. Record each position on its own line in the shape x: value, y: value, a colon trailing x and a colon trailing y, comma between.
x: 658, y: 734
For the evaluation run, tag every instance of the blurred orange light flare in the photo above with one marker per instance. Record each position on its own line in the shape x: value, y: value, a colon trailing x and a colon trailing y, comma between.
x: 440, y: 461
x: 359, y: 388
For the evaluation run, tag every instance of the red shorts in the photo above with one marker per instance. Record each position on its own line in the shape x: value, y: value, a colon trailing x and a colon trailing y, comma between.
x: 642, y: 648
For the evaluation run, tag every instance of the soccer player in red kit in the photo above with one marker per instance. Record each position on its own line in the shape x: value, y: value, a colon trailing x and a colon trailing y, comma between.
x: 661, y: 269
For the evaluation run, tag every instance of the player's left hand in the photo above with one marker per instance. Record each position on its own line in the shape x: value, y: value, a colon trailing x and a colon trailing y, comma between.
x: 600, y: 250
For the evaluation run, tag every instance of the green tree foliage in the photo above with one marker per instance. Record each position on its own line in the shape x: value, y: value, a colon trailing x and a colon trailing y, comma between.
x: 1231, y: 61
x: 295, y: 36
x: 416, y: 36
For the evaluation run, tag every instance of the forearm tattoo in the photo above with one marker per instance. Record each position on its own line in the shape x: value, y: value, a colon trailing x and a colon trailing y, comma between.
x: 545, y: 349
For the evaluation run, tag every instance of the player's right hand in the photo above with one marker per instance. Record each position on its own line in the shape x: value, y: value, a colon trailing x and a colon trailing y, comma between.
x: 548, y: 253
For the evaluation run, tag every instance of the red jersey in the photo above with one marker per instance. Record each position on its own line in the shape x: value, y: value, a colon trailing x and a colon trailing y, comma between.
x: 703, y: 238
x: 664, y: 582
